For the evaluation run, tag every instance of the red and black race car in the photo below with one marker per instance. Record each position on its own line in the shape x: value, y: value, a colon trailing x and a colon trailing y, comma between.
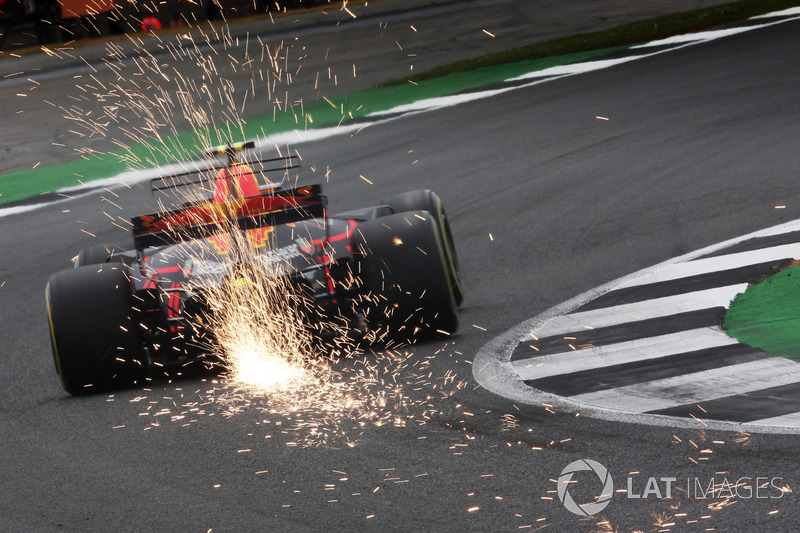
x: 125, y: 313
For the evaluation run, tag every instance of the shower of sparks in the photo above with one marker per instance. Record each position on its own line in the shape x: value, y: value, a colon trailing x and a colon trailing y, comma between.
x: 259, y: 336
x: 271, y: 363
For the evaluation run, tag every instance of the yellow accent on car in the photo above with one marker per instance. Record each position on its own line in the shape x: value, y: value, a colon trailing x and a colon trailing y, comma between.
x: 53, y: 336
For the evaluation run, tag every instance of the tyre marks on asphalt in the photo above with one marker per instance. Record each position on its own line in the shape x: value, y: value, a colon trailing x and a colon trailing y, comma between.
x: 653, y: 343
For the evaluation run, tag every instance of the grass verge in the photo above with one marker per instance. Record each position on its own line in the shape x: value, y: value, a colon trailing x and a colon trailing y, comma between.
x: 767, y: 315
x: 22, y: 185
x: 440, y: 81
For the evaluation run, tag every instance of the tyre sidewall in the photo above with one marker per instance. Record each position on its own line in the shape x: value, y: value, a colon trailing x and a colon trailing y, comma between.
x: 404, y: 268
x: 427, y: 200
x: 92, y: 328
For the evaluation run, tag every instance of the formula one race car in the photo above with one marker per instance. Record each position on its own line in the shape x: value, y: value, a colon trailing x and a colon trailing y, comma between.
x: 127, y: 312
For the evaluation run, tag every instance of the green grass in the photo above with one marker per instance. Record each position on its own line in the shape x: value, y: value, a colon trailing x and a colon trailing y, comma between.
x: 25, y: 184
x: 441, y: 81
x: 767, y: 315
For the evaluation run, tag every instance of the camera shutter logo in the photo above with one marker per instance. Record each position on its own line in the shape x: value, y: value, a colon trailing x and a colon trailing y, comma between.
x: 586, y: 509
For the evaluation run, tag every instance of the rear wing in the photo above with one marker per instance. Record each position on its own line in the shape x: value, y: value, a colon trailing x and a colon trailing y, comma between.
x: 201, y: 220
x: 204, y: 177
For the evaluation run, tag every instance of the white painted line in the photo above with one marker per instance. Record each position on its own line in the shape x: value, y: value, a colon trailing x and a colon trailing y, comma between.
x: 785, y: 13
x: 697, y: 387
x: 492, y: 370
x: 712, y: 35
x: 790, y: 420
x: 134, y: 176
x: 700, y: 36
x: 634, y: 312
x: 620, y: 353
x: 716, y: 264
x: 536, y: 78
x: 583, y: 67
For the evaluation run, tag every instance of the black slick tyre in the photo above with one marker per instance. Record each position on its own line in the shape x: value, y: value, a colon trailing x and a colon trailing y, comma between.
x: 427, y: 200
x: 92, y: 329
x: 405, y: 273
x: 101, y: 253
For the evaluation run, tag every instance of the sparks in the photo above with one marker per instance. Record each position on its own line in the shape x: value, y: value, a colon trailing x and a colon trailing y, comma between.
x: 269, y: 361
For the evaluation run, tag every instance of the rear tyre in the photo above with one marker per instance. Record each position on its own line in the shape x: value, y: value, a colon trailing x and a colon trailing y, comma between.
x: 92, y: 330
x: 406, y: 275
x: 427, y: 200
x: 102, y: 253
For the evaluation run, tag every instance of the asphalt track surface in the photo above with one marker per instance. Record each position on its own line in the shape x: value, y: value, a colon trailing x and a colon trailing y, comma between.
x: 546, y: 201
x: 326, y: 53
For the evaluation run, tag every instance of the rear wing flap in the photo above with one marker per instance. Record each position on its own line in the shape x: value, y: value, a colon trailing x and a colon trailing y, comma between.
x: 204, y: 176
x: 202, y: 220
